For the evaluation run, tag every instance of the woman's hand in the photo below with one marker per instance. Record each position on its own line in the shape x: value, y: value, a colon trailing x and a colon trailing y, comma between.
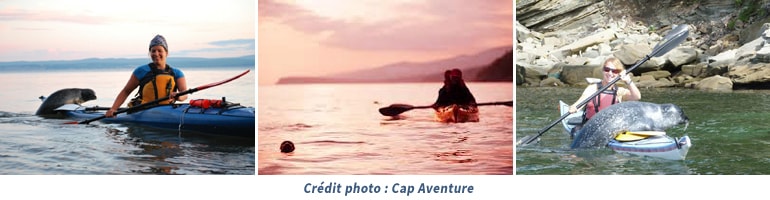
x: 110, y: 113
x: 572, y: 109
x: 626, y: 77
x: 172, y: 96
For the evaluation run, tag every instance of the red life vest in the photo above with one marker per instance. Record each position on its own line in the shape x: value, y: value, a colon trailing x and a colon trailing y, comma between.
x: 605, y: 99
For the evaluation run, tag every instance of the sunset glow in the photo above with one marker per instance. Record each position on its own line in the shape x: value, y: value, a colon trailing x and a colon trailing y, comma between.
x: 56, y: 30
x: 309, y: 38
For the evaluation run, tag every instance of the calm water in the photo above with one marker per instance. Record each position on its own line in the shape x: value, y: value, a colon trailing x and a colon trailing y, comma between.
x: 730, y: 134
x: 337, y: 130
x: 33, y: 145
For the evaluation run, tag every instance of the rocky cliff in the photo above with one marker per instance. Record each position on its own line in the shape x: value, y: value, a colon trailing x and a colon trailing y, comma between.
x: 563, y: 42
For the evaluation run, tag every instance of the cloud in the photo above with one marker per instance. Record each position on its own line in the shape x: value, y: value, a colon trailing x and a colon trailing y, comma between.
x: 223, y: 48
x: 299, y: 18
x: 58, y: 16
x: 428, y: 25
x: 236, y: 42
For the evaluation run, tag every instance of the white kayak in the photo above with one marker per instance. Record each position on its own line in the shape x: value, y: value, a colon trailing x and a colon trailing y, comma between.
x: 643, y: 143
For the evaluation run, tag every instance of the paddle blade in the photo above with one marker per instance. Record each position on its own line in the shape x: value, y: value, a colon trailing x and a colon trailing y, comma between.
x: 526, y: 140
x: 674, y: 37
x: 395, y: 109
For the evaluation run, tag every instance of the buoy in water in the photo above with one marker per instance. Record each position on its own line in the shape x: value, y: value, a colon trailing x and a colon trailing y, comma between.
x: 287, y: 146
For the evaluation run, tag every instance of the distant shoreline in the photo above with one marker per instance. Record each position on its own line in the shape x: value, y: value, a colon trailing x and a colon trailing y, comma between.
x: 124, y: 63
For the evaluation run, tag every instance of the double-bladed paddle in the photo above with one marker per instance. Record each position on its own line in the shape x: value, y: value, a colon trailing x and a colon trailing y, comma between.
x: 396, y: 109
x: 669, y: 42
x: 144, y: 105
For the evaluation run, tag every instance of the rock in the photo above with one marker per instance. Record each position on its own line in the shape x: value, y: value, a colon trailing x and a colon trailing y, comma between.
x: 658, y: 74
x: 520, y: 73
x: 696, y: 70
x: 582, y: 44
x: 580, y: 34
x: 551, y: 82
x: 750, y: 74
x: 647, y: 83
x: 576, y: 74
x: 715, y: 83
x: 682, y: 55
x: 630, y: 54
x: 724, y: 58
x: 646, y: 78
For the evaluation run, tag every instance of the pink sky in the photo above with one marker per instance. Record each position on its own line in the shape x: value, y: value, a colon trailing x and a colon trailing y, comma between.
x: 310, y: 38
x: 77, y: 29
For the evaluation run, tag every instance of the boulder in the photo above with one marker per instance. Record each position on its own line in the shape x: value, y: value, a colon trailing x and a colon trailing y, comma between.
x: 715, y: 83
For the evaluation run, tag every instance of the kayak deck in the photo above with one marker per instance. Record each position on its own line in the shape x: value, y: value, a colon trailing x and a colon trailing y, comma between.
x: 656, y: 146
x: 235, y: 121
x: 457, y: 114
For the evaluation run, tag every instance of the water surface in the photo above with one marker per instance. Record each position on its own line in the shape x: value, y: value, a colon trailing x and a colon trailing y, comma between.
x: 337, y: 130
x: 33, y: 145
x: 729, y: 132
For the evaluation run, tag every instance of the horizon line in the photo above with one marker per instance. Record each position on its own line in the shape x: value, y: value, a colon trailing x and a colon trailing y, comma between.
x: 80, y: 59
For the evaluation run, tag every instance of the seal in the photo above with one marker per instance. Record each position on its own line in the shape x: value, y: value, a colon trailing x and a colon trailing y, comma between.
x: 630, y: 115
x: 64, y: 96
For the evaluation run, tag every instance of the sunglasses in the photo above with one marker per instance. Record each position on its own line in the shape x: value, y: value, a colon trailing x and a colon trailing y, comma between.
x: 616, y: 71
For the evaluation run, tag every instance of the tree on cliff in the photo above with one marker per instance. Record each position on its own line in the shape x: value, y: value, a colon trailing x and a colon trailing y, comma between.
x: 499, y: 70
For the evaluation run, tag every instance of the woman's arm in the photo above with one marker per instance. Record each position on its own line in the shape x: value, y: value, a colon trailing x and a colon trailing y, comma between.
x: 131, y: 84
x: 181, y: 85
x: 633, y: 93
x: 590, y: 89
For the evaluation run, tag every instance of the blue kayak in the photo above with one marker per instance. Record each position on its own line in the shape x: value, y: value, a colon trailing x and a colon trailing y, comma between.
x: 237, y: 121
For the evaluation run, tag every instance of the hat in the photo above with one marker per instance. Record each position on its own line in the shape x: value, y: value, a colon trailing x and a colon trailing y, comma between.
x: 159, y: 40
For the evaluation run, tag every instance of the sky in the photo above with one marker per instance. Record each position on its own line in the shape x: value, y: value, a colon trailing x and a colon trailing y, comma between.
x: 312, y: 38
x: 77, y: 29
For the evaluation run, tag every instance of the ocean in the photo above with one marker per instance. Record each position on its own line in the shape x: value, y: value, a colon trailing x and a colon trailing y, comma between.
x: 32, y: 145
x: 337, y: 130
x: 728, y: 130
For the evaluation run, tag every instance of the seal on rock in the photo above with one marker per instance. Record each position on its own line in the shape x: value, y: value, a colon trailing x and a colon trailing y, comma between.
x: 630, y: 115
x: 64, y: 96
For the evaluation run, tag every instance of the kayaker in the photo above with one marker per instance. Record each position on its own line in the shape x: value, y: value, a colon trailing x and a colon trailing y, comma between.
x: 612, y: 68
x: 155, y: 80
x: 454, y: 90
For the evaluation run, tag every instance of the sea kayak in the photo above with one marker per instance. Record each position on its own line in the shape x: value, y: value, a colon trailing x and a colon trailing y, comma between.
x: 658, y: 145
x: 457, y: 114
x: 233, y: 120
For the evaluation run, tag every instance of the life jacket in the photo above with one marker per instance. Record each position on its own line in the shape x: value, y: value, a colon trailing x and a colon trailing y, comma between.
x: 155, y: 85
x: 605, y: 99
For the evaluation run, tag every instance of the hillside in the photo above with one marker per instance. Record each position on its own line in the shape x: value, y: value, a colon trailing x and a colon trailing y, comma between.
x: 431, y: 71
x: 499, y: 70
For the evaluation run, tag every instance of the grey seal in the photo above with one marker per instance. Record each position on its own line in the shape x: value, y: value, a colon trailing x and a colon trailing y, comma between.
x: 64, y: 96
x: 631, y: 115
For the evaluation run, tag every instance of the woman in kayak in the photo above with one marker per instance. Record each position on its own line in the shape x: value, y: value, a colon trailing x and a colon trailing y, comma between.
x: 155, y: 80
x: 612, y: 68
x: 454, y: 91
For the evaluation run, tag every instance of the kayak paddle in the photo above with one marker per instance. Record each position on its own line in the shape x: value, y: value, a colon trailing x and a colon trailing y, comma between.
x: 144, y: 105
x: 671, y: 40
x: 396, y: 109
